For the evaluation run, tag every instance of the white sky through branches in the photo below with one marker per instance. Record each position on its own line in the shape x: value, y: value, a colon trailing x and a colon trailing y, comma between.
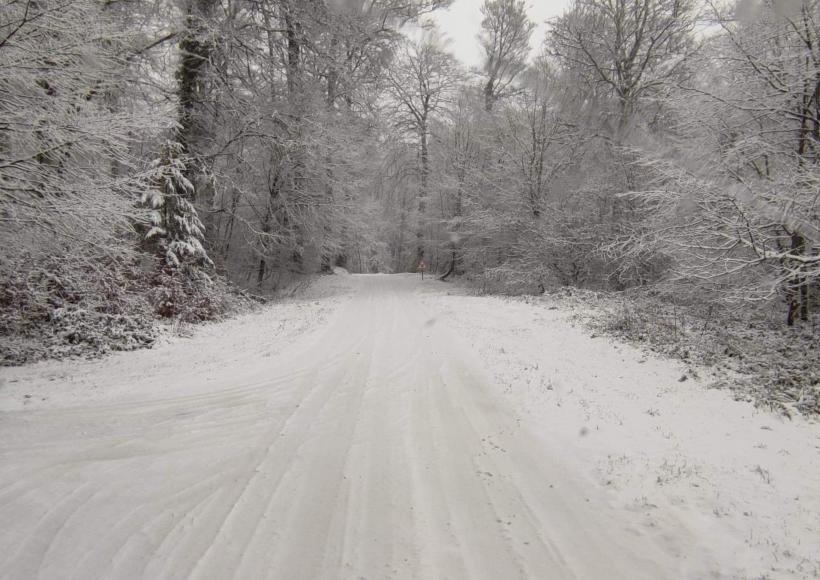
x: 462, y: 21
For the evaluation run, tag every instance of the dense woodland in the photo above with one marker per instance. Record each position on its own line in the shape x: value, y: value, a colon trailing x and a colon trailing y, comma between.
x: 158, y: 155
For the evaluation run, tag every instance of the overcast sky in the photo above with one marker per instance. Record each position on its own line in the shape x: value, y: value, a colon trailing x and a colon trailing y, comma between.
x: 462, y: 21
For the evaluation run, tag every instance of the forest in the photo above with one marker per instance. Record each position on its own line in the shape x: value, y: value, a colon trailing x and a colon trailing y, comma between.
x: 183, y: 159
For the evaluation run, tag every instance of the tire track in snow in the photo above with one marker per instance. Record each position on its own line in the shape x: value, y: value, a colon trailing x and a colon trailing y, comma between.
x: 376, y: 451
x: 282, y: 448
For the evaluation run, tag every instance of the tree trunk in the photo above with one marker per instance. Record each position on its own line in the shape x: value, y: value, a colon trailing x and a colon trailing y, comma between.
x: 452, y: 267
x: 260, y: 273
x: 425, y: 173
x: 293, y: 34
x: 229, y: 227
x: 195, y: 52
x: 627, y: 107
x: 489, y: 95
x: 298, y: 104
x: 326, y: 263
x: 797, y: 293
x: 804, y: 299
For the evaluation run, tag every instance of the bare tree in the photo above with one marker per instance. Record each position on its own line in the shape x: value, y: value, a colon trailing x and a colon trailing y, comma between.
x: 545, y: 143
x: 757, y: 204
x: 505, y: 38
x: 422, y: 82
x: 462, y: 148
x: 632, y: 47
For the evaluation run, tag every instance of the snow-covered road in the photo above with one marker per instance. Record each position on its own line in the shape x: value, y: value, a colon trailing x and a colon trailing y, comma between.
x: 371, y: 440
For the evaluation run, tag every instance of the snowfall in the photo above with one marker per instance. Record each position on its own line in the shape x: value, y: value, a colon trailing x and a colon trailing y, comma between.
x: 387, y: 427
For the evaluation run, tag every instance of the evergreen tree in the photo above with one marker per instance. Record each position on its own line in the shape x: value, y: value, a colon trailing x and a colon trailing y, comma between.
x: 176, y: 232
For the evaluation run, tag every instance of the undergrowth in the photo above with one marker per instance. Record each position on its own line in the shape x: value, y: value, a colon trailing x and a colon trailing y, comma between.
x: 749, y: 347
x: 70, y: 307
x: 751, y: 350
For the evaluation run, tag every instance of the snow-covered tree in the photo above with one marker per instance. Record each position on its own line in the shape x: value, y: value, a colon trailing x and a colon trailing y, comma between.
x: 629, y: 48
x: 505, y: 38
x: 66, y: 156
x: 736, y: 198
x: 174, y: 228
x: 422, y: 83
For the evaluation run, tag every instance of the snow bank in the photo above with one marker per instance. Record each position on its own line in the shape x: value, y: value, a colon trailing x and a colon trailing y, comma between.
x: 178, y: 364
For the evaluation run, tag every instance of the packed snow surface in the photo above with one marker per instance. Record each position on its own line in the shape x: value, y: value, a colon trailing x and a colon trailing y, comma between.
x: 387, y: 428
